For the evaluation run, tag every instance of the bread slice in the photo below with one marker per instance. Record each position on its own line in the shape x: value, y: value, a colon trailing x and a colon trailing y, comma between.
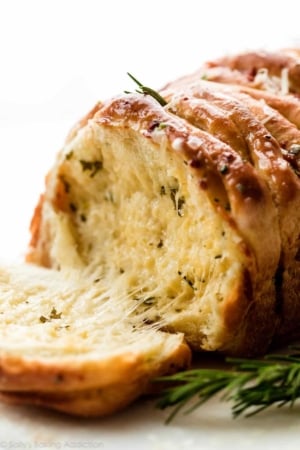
x: 257, y: 113
x: 172, y: 215
x: 73, y: 344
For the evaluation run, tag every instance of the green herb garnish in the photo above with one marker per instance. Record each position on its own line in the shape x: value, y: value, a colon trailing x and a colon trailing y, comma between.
x: 160, y: 243
x: 224, y: 169
x: 250, y: 385
x: 43, y: 319
x: 147, y: 91
x: 180, y: 206
x: 162, y: 190
x: 54, y: 314
x: 69, y: 155
x: 91, y: 166
x: 66, y: 184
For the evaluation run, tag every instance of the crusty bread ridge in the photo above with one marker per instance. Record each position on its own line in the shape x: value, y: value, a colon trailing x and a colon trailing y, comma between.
x: 265, y: 87
x: 160, y: 226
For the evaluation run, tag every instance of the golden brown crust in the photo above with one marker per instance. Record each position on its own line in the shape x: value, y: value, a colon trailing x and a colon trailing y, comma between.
x: 287, y: 105
x: 90, y: 403
x: 286, y: 133
x: 249, y: 63
x: 18, y: 373
x: 97, y: 390
x: 279, y: 119
x: 263, y: 150
x: 217, y: 116
x: 280, y: 115
x: 242, y: 69
x: 264, y: 147
x: 207, y: 116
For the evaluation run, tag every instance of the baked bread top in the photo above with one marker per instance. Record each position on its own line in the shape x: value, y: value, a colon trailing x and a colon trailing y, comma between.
x: 258, y: 92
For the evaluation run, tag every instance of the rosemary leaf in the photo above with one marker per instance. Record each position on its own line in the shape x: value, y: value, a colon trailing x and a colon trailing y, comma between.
x: 147, y: 91
x: 251, y: 386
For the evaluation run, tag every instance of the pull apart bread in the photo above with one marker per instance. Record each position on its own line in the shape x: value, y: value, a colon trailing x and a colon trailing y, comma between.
x: 258, y: 94
x: 162, y: 229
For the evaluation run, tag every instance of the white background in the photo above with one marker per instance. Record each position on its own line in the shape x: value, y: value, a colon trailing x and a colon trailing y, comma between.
x: 57, y: 58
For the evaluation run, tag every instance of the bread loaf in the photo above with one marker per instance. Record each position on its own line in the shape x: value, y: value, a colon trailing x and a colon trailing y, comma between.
x: 258, y: 92
x: 142, y: 196
x: 160, y: 226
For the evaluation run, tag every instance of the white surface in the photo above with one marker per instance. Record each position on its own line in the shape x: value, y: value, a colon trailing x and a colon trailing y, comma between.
x: 57, y: 58
x: 142, y: 428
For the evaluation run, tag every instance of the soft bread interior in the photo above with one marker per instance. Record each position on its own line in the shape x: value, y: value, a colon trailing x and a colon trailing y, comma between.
x: 70, y: 317
x: 70, y: 343
x: 128, y: 208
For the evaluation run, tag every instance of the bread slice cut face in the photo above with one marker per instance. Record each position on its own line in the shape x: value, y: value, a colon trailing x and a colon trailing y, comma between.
x: 70, y: 343
x: 172, y: 217
x: 258, y: 92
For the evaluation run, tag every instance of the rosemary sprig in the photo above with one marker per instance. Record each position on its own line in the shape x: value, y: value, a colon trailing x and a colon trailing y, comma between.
x: 250, y: 385
x: 147, y: 91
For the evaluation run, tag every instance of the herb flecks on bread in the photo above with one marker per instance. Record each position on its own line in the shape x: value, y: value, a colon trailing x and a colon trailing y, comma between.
x: 167, y: 216
x: 173, y: 213
x: 73, y: 344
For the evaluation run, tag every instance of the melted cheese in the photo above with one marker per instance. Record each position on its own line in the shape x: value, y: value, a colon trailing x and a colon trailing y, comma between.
x: 150, y: 229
